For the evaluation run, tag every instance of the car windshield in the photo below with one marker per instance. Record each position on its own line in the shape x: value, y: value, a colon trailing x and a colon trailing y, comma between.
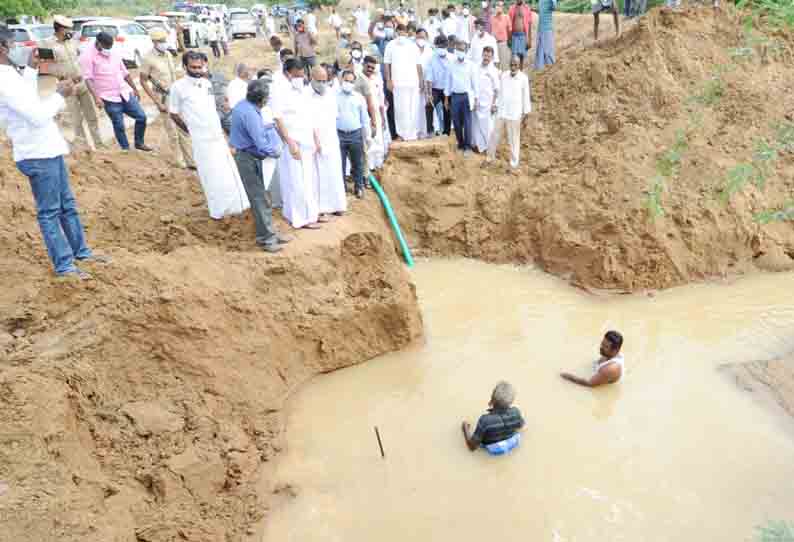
x: 241, y: 17
x: 42, y: 32
x: 152, y: 24
x: 91, y: 30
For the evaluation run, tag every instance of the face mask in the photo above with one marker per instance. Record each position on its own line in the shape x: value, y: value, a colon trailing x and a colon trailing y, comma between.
x: 319, y: 87
x: 513, y: 73
x: 104, y: 52
x: 460, y: 55
x: 296, y: 82
x: 421, y: 43
x: 442, y: 53
x: 356, y: 54
x: 347, y: 87
x: 484, y: 5
x: 465, y: 12
x: 481, y: 32
x: 451, y: 51
x: 389, y: 33
x: 17, y: 56
x: 379, y: 34
x: 402, y: 40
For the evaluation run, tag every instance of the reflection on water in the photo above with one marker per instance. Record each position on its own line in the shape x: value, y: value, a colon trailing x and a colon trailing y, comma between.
x: 673, y: 452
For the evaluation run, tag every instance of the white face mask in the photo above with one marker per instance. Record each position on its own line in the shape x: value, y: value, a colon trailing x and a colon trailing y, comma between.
x: 347, y: 87
x: 104, y: 52
x: 356, y: 54
x: 17, y: 56
x: 460, y: 55
x: 484, y: 5
x: 465, y: 12
x: 421, y: 42
x: 442, y: 53
x: 296, y: 82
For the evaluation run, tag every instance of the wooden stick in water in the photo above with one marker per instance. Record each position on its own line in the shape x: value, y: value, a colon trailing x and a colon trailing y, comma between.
x: 380, y: 444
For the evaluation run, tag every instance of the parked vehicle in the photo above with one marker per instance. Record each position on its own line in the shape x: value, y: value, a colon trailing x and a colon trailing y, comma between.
x: 242, y: 24
x: 195, y: 31
x: 279, y: 11
x: 79, y: 21
x: 31, y: 36
x: 132, y: 39
x: 158, y: 21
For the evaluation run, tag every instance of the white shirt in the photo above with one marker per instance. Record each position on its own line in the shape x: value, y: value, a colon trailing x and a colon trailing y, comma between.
x: 212, y: 32
x: 463, y: 27
x: 425, y: 56
x: 236, y: 91
x: 617, y: 359
x: 221, y: 29
x: 311, y: 23
x: 191, y: 98
x: 479, y: 43
x: 30, y: 121
x: 324, y: 116
x: 433, y: 27
x: 488, y: 84
x: 334, y: 21
x: 449, y: 26
x: 289, y: 106
x: 514, y: 98
x: 404, y: 56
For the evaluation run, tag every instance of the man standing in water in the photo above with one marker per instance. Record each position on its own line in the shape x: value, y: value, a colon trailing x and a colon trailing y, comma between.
x: 498, y: 429
x: 609, y: 367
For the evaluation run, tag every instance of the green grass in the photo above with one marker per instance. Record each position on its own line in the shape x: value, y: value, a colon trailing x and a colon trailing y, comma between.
x: 771, y: 12
x: 711, y: 93
x: 775, y: 531
x: 653, y: 201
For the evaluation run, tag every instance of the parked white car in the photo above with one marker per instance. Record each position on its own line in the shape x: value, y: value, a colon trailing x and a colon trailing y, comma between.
x: 242, y: 24
x: 80, y: 20
x: 196, y: 31
x: 158, y: 21
x: 31, y: 36
x: 132, y: 39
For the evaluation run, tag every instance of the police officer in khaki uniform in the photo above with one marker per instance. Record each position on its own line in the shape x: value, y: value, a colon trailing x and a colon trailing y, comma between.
x: 80, y: 105
x: 157, y: 73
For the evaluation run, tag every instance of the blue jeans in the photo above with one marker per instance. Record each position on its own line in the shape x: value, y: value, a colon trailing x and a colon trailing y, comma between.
x: 461, y: 119
x: 131, y: 108
x: 56, y: 212
x: 352, y: 145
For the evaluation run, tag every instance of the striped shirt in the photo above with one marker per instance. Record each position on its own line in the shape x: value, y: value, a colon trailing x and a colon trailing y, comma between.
x: 498, y: 425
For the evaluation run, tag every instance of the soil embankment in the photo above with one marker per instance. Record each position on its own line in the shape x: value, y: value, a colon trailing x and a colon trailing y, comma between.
x: 145, y: 405
x: 637, y: 164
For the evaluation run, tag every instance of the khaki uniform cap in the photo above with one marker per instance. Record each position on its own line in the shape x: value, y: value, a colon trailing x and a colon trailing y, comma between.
x: 66, y: 22
x: 158, y: 34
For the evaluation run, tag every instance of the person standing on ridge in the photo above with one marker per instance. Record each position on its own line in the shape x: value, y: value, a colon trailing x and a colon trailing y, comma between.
x: 544, y: 51
x: 521, y: 30
x: 461, y: 94
x: 80, y: 105
x: 39, y: 149
x: 513, y: 106
x: 605, y: 6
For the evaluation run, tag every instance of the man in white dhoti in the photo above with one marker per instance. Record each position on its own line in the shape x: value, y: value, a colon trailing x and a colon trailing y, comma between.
x: 403, y: 77
x: 192, y: 108
x: 480, y: 41
x: 425, y: 57
x: 485, y: 109
x: 376, y: 150
x: 296, y: 165
x: 329, y: 184
x: 513, y: 107
x: 362, y: 21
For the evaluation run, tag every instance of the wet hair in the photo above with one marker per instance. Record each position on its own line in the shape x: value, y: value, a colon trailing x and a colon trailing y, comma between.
x: 293, y: 64
x: 503, y: 395
x: 615, y: 339
x: 487, y: 48
x: 190, y: 56
x: 442, y: 42
x: 257, y: 92
x: 284, y: 53
x: 104, y: 39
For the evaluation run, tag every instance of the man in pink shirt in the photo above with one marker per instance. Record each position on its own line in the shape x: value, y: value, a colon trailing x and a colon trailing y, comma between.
x: 500, y: 28
x: 112, y: 87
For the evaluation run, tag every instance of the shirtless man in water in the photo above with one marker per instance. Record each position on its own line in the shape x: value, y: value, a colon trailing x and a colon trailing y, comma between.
x: 609, y: 367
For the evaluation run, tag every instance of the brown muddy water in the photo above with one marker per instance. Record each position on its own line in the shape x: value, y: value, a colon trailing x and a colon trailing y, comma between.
x: 674, y: 452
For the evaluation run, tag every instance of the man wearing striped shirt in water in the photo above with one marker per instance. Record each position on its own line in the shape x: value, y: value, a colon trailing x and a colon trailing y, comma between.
x: 498, y: 429
x: 609, y: 367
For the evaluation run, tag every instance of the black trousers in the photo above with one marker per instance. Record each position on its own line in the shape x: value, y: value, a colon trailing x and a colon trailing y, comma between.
x: 216, y: 50
x: 390, y: 112
x: 351, y: 144
x: 446, y: 118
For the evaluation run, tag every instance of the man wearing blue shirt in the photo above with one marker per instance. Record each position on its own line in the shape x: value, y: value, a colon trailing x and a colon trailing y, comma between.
x: 352, y: 125
x: 256, y: 141
x: 461, y: 93
x: 436, y: 82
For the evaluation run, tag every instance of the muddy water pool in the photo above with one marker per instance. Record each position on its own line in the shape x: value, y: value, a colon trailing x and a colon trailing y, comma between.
x: 674, y: 452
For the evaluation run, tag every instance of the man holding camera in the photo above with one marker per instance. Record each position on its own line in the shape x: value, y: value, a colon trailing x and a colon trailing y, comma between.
x: 39, y: 149
x: 80, y: 105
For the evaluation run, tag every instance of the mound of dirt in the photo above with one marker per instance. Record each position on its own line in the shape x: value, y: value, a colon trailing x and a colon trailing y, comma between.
x: 144, y: 406
x: 587, y: 202
x: 770, y: 382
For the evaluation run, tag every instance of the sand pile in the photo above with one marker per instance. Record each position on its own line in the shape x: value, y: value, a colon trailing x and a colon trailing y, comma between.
x: 588, y: 202
x: 144, y: 406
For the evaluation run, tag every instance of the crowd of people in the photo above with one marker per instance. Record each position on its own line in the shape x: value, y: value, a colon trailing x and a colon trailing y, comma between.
x: 305, y: 134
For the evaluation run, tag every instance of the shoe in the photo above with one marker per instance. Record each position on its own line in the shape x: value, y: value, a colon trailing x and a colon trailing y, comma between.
x: 97, y: 258
x: 190, y: 168
x: 271, y: 248
x: 77, y: 274
x: 322, y: 219
x: 312, y: 226
x: 360, y: 193
x: 144, y: 148
x: 339, y: 213
x: 284, y: 239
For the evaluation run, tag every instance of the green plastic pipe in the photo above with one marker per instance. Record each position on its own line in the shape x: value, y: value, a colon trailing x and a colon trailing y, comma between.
x: 409, y: 260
